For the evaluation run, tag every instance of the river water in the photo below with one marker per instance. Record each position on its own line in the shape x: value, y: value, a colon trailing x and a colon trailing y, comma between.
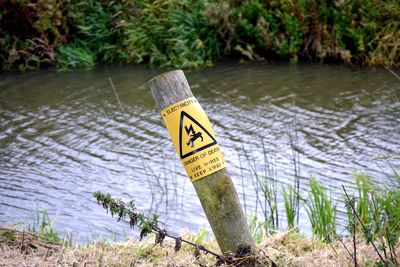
x: 64, y: 135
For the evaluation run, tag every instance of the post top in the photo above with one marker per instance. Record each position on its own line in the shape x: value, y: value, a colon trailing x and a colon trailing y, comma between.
x: 169, y: 88
x: 165, y: 75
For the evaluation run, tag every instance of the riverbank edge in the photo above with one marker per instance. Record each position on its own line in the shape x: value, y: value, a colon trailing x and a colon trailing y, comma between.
x: 193, y: 34
x: 287, y: 248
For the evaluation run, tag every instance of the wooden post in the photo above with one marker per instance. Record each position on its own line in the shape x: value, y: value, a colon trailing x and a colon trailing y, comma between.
x: 216, y: 191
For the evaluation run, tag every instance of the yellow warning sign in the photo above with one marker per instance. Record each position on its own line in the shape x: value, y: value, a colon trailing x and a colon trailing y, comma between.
x: 193, y: 138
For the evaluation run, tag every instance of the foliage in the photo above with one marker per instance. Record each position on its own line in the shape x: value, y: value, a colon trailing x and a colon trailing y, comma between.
x: 361, y: 32
x: 321, y: 211
x: 378, y: 214
x: 30, y: 32
x: 169, y: 33
x: 75, y: 56
x: 378, y: 209
x: 257, y: 228
x: 95, y: 34
x: 364, y: 207
x: 201, y: 238
x: 389, y: 205
x: 192, y: 34
x: 7, y: 236
x: 290, y: 206
x: 44, y: 227
x: 258, y: 28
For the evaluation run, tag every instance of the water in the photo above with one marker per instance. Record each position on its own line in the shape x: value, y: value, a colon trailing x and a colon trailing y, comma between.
x: 63, y: 135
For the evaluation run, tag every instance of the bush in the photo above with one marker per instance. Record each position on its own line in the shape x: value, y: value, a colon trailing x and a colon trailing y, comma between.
x: 30, y: 32
x: 192, y: 34
x: 166, y: 33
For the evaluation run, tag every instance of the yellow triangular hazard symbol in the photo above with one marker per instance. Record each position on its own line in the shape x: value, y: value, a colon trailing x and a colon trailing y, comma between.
x: 193, y: 137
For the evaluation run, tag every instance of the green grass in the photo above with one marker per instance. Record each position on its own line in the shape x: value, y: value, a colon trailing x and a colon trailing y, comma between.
x: 377, y: 207
x: 75, y: 56
x: 257, y: 228
x: 365, y: 206
x: 321, y: 212
x: 289, y: 198
x: 175, y: 34
x: 202, y: 237
x: 8, y: 236
x: 378, y: 210
x: 44, y: 227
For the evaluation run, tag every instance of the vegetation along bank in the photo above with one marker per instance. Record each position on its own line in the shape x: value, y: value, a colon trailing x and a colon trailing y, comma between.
x: 191, y: 34
x: 370, y: 238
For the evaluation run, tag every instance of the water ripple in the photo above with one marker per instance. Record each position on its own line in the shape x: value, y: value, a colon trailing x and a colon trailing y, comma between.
x: 67, y: 137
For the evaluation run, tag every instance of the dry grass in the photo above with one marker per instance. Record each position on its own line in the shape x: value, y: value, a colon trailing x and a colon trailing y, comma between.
x: 285, y: 249
x: 294, y: 249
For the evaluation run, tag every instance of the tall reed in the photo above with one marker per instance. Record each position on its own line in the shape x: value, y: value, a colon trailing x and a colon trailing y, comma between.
x: 267, y: 183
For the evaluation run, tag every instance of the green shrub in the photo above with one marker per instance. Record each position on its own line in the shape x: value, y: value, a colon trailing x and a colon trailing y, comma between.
x: 95, y: 28
x: 30, y: 32
x: 192, y: 34
x: 75, y: 56
x: 166, y: 33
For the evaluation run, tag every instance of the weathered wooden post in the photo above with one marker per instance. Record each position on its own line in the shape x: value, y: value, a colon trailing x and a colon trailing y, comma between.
x: 196, y: 145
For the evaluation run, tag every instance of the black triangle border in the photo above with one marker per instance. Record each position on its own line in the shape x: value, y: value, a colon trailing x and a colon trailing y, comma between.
x: 183, y: 113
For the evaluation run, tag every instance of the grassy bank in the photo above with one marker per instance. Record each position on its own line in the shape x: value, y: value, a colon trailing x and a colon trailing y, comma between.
x: 284, y: 249
x: 373, y: 224
x: 191, y: 34
x: 372, y: 237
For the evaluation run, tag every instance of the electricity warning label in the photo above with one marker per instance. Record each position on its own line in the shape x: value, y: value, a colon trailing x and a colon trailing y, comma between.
x: 193, y: 138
